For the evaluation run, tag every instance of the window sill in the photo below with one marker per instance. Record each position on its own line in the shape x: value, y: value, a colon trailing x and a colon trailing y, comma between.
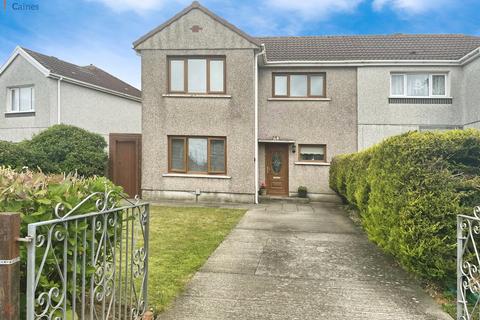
x: 205, y: 176
x: 11, y: 114
x: 307, y: 163
x: 186, y: 95
x: 298, y: 99
x: 420, y: 100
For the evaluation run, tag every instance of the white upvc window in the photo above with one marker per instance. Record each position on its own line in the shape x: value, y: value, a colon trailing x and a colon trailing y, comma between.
x: 419, y: 85
x: 21, y: 99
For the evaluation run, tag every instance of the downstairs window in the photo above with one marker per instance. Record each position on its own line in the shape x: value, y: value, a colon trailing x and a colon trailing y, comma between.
x: 197, y: 155
x: 312, y: 152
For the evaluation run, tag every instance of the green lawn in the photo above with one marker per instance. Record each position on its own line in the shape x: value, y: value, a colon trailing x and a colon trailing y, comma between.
x: 181, y: 240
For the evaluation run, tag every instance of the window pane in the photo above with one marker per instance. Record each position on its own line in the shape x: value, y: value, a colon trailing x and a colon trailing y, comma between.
x: 298, y: 85
x: 397, y: 85
x: 177, y: 75
x: 417, y: 85
x: 316, y: 86
x: 197, y: 154
x: 178, y: 154
x: 438, y: 85
x: 280, y: 85
x: 197, y: 75
x: 25, y: 99
x: 217, y: 155
x: 312, y: 153
x: 216, y: 75
x: 15, y: 99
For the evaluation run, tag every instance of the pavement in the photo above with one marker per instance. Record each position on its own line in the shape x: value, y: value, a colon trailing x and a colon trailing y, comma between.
x: 301, y: 261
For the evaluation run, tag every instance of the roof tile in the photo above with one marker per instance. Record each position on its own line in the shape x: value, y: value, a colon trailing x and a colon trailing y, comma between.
x: 89, y: 74
x: 369, y: 47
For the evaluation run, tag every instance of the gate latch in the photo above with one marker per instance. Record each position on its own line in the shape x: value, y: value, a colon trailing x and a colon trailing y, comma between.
x: 9, y: 262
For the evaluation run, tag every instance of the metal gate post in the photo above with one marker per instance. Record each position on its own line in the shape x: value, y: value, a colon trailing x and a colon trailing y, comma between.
x: 9, y: 266
x: 460, y: 301
x: 31, y: 273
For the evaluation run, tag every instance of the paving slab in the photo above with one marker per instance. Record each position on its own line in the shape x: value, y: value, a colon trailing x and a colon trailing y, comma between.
x: 301, y: 261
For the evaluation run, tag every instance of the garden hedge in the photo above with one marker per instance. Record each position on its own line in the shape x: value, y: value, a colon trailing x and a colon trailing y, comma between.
x: 34, y: 195
x: 409, y: 190
x: 58, y: 149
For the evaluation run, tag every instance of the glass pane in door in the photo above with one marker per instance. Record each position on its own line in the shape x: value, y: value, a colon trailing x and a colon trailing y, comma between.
x: 276, y: 162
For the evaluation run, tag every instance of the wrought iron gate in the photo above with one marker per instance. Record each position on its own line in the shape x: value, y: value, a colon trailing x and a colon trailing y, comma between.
x: 468, y: 266
x: 89, y: 266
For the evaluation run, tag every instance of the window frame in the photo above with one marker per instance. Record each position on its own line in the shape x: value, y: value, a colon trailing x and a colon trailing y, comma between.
x: 309, y: 75
x: 185, y: 156
x: 17, y: 89
x: 312, y: 145
x: 430, y: 84
x: 185, y: 74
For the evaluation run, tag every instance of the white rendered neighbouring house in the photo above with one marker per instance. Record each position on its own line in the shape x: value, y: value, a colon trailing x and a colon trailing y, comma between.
x: 38, y: 91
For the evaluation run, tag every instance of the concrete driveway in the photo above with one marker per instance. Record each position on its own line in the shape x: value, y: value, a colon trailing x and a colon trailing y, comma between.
x: 289, y: 261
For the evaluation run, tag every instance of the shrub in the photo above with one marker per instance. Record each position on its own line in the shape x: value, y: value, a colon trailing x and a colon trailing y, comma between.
x: 34, y: 195
x: 16, y: 155
x: 408, y: 191
x: 302, y: 191
x: 64, y: 148
x: 60, y: 148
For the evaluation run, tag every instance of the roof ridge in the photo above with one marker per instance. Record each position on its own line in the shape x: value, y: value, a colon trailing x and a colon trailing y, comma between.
x: 433, y: 35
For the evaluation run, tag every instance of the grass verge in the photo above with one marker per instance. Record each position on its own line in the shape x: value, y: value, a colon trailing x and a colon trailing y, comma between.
x: 181, y: 240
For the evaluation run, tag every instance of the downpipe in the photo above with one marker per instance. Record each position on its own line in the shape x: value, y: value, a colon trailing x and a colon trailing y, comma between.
x: 255, y: 160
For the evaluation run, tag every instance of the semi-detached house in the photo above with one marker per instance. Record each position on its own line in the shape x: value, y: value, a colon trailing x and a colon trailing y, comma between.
x: 224, y: 112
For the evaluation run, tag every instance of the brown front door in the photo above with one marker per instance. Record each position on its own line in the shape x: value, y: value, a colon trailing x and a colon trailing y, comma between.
x: 276, y: 169
x: 125, y: 155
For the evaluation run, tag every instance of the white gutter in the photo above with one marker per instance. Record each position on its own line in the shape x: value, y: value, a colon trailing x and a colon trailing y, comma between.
x: 470, y: 56
x: 59, y: 101
x: 359, y: 63
x: 256, y: 122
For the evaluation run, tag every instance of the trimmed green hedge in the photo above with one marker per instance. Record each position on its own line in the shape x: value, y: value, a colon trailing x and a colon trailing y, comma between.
x: 58, y: 149
x: 409, y: 190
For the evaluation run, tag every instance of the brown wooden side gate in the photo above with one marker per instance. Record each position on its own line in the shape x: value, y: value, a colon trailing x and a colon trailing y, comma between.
x: 126, y: 161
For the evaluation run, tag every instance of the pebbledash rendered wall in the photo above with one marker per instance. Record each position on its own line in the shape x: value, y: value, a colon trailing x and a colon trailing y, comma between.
x: 331, y: 121
x: 379, y: 119
x: 230, y: 115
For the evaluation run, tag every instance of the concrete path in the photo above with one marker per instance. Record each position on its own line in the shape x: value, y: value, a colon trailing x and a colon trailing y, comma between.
x: 288, y: 261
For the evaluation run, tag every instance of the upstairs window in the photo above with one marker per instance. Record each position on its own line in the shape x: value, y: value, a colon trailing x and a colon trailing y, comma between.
x: 418, y: 85
x: 197, y: 155
x: 296, y: 85
x: 21, y: 99
x: 196, y: 75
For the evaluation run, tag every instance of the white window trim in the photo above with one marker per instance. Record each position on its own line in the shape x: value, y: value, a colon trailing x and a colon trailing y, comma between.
x: 430, y: 84
x: 9, y: 99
